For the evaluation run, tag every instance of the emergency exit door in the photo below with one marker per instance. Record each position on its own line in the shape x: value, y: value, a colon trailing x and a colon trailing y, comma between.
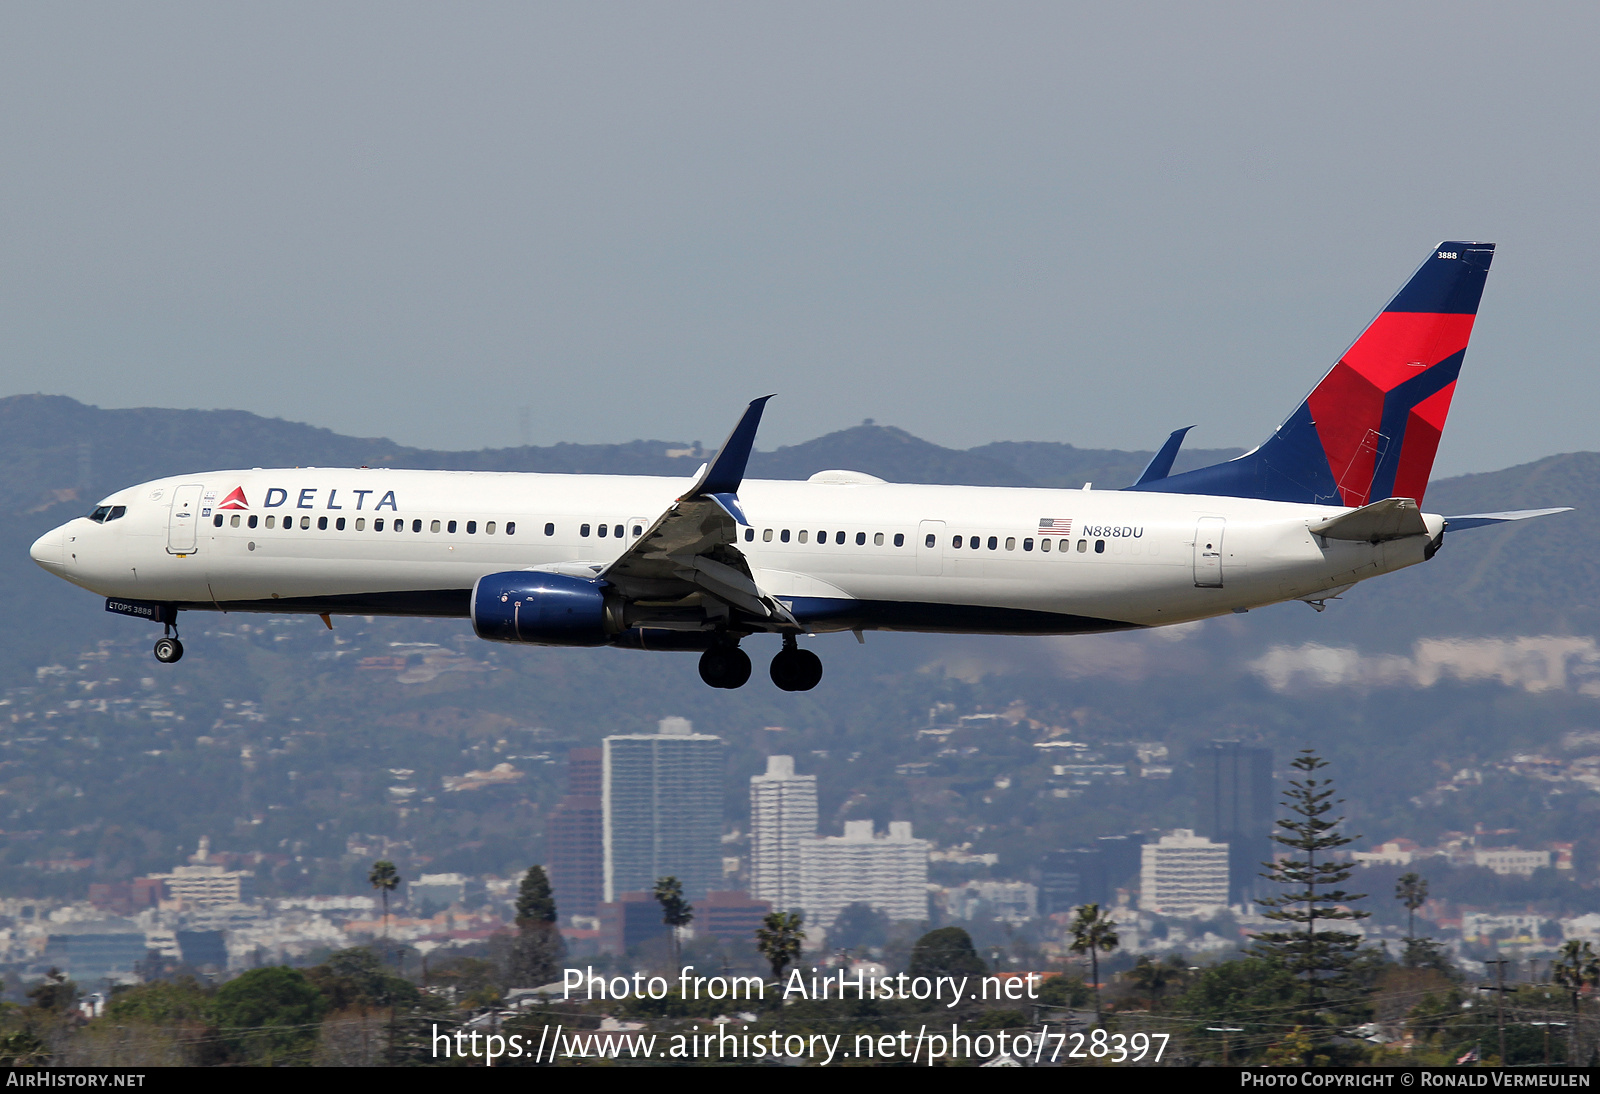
x: 1208, y: 552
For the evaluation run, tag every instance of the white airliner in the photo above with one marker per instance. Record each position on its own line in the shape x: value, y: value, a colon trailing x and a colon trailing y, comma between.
x: 1331, y: 498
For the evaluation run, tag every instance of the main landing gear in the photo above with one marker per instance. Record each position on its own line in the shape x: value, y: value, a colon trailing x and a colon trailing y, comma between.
x: 795, y: 669
x: 725, y: 665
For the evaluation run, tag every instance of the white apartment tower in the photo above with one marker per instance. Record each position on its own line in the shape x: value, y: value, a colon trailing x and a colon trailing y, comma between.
x: 890, y: 873
x: 783, y: 811
x: 661, y: 804
x: 1183, y: 874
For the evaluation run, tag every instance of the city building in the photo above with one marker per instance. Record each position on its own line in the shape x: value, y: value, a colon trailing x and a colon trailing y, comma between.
x: 204, y: 882
x: 889, y: 873
x: 1183, y: 875
x: 1088, y: 875
x: 1233, y: 796
x: 662, y: 810
x: 436, y: 891
x: 1013, y: 902
x: 629, y: 921
x: 731, y: 915
x: 1511, y: 861
x: 783, y: 811
x: 575, y: 848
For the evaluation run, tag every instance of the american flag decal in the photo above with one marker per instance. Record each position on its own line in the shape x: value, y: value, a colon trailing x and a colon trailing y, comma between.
x: 1055, y: 526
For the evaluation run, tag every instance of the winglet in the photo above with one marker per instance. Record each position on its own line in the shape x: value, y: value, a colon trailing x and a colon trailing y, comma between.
x: 1160, y: 465
x: 726, y: 471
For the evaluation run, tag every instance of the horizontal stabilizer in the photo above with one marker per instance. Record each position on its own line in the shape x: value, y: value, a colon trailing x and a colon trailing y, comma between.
x: 1483, y: 520
x: 1391, y: 518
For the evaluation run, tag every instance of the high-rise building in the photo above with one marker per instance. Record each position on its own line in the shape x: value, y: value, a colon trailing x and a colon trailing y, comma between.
x: 662, y: 810
x: 1233, y: 791
x: 783, y: 811
x: 889, y: 873
x: 1183, y: 874
x: 575, y: 853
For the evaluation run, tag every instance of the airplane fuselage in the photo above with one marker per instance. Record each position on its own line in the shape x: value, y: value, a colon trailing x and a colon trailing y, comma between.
x: 840, y: 555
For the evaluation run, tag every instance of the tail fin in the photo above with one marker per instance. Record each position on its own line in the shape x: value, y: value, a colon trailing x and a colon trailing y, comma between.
x: 1370, y: 429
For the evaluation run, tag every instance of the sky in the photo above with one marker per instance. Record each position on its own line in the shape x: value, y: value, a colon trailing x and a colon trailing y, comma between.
x: 462, y: 226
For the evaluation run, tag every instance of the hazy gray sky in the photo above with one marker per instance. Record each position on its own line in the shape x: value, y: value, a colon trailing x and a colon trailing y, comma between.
x: 979, y: 222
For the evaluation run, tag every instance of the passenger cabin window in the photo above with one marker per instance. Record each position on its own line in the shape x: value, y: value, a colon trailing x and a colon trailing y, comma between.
x: 1099, y: 546
x: 488, y: 528
x: 451, y: 527
x: 233, y: 521
x: 252, y: 521
x: 749, y: 535
x: 617, y: 531
x: 271, y: 521
x: 899, y: 539
x: 975, y: 542
x: 1044, y: 545
x: 361, y: 524
x: 583, y: 530
x: 216, y: 521
x: 929, y: 541
x: 1011, y: 543
x: 877, y: 540
x: 638, y: 529
x: 1083, y: 545
x: 511, y: 527
x: 955, y: 541
x: 472, y: 527
x: 1027, y: 545
x: 803, y: 534
x: 305, y: 523
x: 994, y: 543
x: 377, y: 524
x: 766, y: 536
x: 322, y: 524
x: 339, y: 524
x: 838, y: 537
x: 433, y: 526
x: 784, y: 535
x: 416, y: 526
x: 602, y: 532
x: 549, y: 529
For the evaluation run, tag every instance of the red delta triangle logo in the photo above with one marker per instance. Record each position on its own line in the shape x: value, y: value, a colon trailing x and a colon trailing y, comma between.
x: 235, y: 500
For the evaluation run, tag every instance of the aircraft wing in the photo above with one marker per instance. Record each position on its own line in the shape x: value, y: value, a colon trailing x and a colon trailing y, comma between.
x: 690, y: 551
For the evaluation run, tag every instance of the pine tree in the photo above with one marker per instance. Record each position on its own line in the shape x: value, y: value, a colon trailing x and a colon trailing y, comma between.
x: 1311, y: 879
x: 538, y: 950
x: 535, y: 901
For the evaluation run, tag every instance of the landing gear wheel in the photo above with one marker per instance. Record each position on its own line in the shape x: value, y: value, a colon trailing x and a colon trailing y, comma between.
x: 168, y: 650
x: 725, y: 667
x: 795, y: 669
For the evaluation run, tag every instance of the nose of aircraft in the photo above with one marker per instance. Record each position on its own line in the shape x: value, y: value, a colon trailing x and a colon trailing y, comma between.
x: 49, y: 550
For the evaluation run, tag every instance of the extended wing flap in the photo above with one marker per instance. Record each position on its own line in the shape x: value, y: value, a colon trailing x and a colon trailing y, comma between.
x: 1391, y: 518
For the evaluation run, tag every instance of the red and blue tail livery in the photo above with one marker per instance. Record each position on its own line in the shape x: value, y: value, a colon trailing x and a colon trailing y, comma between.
x: 1371, y: 427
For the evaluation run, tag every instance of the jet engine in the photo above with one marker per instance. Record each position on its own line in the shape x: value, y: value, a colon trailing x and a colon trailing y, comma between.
x: 543, y: 609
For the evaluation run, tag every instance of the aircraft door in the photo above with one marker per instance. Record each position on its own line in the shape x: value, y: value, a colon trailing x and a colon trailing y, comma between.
x: 183, y: 524
x: 930, y: 548
x: 1208, y: 552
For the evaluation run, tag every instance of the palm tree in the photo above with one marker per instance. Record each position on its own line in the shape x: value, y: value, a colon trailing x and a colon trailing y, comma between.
x: 1412, y: 891
x: 386, y: 879
x: 676, y: 912
x: 779, y: 940
x: 1092, y: 932
x: 1578, y: 967
x: 1153, y: 977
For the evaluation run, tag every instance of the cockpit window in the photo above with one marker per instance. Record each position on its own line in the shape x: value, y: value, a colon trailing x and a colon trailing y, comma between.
x: 103, y: 513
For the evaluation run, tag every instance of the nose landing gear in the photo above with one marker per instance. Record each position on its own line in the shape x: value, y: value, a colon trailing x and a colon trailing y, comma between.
x: 725, y: 666
x: 168, y: 648
x: 795, y: 669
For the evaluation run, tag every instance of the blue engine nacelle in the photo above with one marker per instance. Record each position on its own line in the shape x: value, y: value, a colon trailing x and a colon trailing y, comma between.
x: 542, y: 609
